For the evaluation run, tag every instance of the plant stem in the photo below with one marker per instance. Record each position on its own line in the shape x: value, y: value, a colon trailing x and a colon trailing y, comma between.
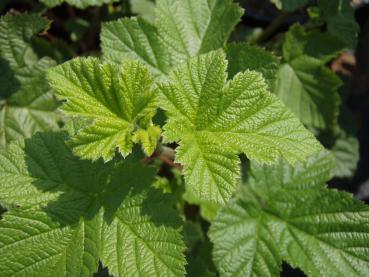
x: 271, y: 29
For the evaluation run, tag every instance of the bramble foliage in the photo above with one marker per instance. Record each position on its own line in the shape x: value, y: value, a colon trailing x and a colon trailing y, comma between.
x: 101, y: 156
x: 120, y: 102
x: 287, y: 213
x: 214, y: 120
x: 29, y: 105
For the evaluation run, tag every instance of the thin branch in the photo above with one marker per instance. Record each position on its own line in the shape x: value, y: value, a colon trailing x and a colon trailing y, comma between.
x: 271, y: 29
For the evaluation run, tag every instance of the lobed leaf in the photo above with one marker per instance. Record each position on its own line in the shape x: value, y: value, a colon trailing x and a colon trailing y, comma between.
x: 118, y: 100
x: 183, y: 29
x: 321, y: 231
x: 213, y: 121
x: 66, y: 214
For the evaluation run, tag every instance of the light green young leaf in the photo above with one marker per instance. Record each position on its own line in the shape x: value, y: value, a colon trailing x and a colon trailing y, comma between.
x: 289, y: 5
x: 28, y: 105
x: 213, y: 121
x: 78, y: 3
x: 324, y: 232
x: 309, y: 89
x: 183, y: 29
x: 119, y: 101
x: 67, y: 214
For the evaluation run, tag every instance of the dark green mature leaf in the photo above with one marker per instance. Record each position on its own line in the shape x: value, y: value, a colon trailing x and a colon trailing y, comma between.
x: 16, y: 32
x: 69, y: 213
x: 316, y: 44
x: 346, y: 154
x: 286, y: 212
x: 309, y: 89
x: 32, y: 109
x: 339, y: 16
x: 119, y: 101
x: 28, y: 104
x: 213, y: 121
x: 305, y: 84
x: 183, y: 29
x: 242, y: 56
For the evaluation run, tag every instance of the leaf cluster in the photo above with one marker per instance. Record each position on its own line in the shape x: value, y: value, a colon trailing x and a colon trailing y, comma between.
x: 177, y: 152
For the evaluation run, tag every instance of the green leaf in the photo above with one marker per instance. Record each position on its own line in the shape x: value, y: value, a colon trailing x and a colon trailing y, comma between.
x: 78, y: 3
x: 242, y: 56
x: 340, y: 19
x: 66, y: 214
x: 16, y: 32
x: 208, y: 209
x: 289, y: 5
x: 183, y: 29
x: 32, y: 109
x: 242, y: 242
x: 324, y: 232
x: 309, y: 89
x: 316, y: 44
x: 346, y: 154
x: 303, y: 81
x: 118, y: 100
x: 145, y: 9
x: 213, y: 121
x: 28, y: 104
x: 33, y: 244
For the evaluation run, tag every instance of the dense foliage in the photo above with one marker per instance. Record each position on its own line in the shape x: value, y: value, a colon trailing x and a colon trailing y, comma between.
x: 174, y: 150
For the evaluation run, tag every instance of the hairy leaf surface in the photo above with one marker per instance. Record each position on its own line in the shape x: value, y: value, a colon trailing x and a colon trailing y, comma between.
x: 183, y: 29
x: 67, y: 214
x: 119, y: 101
x: 214, y: 120
x: 286, y: 216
